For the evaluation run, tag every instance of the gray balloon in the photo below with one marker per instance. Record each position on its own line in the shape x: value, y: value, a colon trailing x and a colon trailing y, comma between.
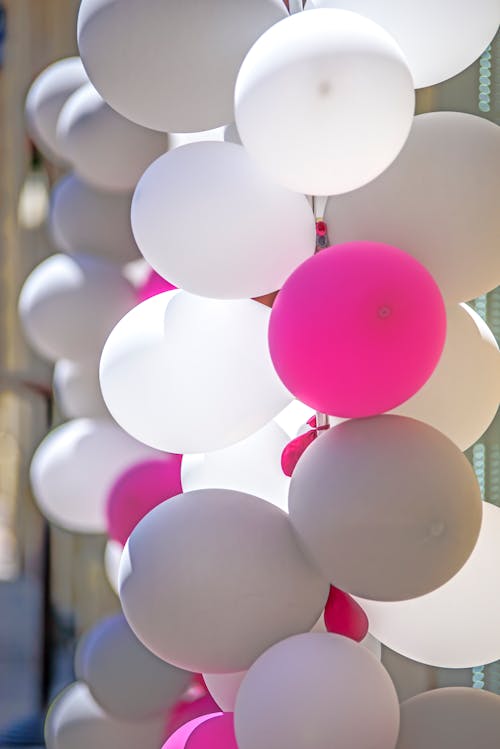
x: 316, y: 691
x: 125, y: 678
x: 84, y: 219
x: 75, y: 721
x: 451, y: 718
x: 388, y: 507
x: 211, y: 578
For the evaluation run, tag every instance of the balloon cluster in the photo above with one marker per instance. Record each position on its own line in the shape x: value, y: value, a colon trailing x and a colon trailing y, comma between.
x: 226, y: 142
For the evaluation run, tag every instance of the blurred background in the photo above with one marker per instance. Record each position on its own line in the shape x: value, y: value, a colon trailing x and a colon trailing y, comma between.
x: 52, y: 583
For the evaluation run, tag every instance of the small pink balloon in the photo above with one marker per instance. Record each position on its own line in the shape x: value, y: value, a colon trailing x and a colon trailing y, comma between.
x: 215, y: 733
x: 189, y: 710
x: 138, y: 491
x: 357, y: 329
x: 179, y: 739
x: 152, y: 286
x: 344, y: 616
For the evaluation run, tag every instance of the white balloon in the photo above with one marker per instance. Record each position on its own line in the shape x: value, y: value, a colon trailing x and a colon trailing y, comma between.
x: 231, y: 134
x: 457, y: 625
x: 83, y: 219
x: 46, y: 97
x: 176, y: 140
x: 75, y: 467
x: 324, y: 101
x: 252, y: 466
x: 450, y: 718
x: 224, y: 688
x: 250, y: 233
x: 388, y: 507
x: 439, y: 38
x: 75, y: 721
x: 69, y: 304
x: 211, y: 578
x: 437, y: 201
x: 171, y: 65
x: 188, y: 375
x: 77, y: 390
x: 461, y: 398
x: 315, y: 691
x: 293, y: 418
x: 105, y: 150
x: 125, y: 678
x: 112, y: 558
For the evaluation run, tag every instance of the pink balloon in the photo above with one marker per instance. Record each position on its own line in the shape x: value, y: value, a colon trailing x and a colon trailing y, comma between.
x: 179, y: 739
x: 344, y: 616
x: 357, y: 329
x: 189, y: 710
x: 138, y: 491
x: 215, y: 733
x: 152, y: 286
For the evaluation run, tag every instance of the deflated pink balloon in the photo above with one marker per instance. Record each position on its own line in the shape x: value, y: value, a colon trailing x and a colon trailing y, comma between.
x: 152, y: 286
x: 179, y: 739
x: 344, y: 616
x: 138, y: 491
x: 215, y: 733
x: 357, y: 329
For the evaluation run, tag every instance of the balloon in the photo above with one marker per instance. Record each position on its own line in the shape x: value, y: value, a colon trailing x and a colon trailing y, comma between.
x: 75, y: 721
x: 180, y: 737
x: 317, y: 690
x: 187, y: 710
x: 437, y: 201
x: 69, y: 305
x: 125, y: 678
x: 224, y: 688
x: 77, y: 390
x: 46, y: 97
x: 252, y: 466
x: 293, y: 418
x: 175, y: 140
x: 83, y: 219
x: 343, y: 616
x: 198, y: 369
x: 439, y: 39
x: 370, y: 316
x: 218, y: 732
x: 450, y: 718
x: 231, y: 134
x: 112, y: 558
x: 461, y: 397
x: 232, y: 576
x: 388, y: 507
x: 139, y: 490
x: 324, y: 101
x: 171, y: 65
x: 105, y: 150
x: 455, y: 626
x: 251, y: 233
x: 153, y: 285
x: 75, y: 467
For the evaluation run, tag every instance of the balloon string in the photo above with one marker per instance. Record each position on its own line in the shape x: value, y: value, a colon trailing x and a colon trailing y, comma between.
x: 322, y: 241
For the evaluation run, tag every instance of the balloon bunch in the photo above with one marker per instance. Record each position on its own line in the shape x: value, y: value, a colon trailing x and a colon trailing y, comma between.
x: 266, y: 583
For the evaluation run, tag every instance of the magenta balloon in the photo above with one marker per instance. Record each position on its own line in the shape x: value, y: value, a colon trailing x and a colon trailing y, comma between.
x: 178, y: 740
x: 218, y: 732
x: 138, y: 491
x: 357, y: 329
x: 153, y: 285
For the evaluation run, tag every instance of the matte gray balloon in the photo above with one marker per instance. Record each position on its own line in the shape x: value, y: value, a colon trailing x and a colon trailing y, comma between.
x: 46, y: 97
x: 125, y: 678
x: 438, y: 201
x: 171, y: 65
x: 211, y: 578
x: 75, y: 721
x: 451, y: 718
x: 77, y: 390
x: 84, y: 219
x: 317, y: 691
x: 105, y: 149
x: 388, y: 507
x: 69, y: 305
